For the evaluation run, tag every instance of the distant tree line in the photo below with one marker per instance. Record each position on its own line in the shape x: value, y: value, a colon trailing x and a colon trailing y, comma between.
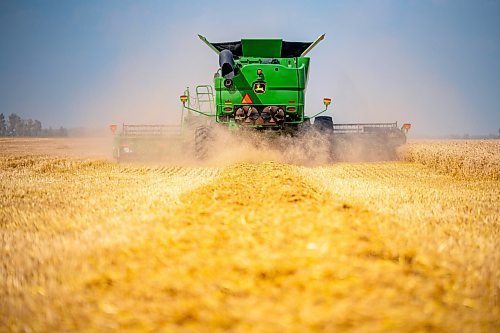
x: 16, y: 126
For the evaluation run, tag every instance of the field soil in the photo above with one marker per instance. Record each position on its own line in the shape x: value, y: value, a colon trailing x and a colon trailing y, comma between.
x: 88, y: 245
x: 86, y: 147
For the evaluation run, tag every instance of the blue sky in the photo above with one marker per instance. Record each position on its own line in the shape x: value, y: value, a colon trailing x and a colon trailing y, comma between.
x: 91, y: 63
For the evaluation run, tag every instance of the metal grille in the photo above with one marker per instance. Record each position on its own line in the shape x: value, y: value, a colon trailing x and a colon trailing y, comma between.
x: 363, y: 128
x: 151, y: 130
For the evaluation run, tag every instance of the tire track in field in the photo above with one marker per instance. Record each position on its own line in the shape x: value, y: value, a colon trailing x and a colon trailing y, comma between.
x: 259, y: 248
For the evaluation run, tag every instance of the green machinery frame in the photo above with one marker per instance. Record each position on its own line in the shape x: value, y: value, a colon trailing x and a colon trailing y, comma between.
x: 282, y: 79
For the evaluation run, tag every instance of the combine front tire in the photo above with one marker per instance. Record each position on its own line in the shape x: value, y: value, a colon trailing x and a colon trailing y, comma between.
x: 201, y: 142
x: 323, y: 124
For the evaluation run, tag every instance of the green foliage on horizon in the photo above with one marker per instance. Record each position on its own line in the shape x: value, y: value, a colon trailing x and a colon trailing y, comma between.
x: 15, y: 126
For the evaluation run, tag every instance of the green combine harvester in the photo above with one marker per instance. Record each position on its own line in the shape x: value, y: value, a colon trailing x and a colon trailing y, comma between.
x: 259, y: 86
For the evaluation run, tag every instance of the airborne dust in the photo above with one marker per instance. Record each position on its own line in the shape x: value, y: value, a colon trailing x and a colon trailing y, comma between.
x: 312, y: 148
x: 224, y: 148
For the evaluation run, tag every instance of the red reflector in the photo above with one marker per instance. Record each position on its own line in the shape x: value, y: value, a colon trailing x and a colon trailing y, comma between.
x: 246, y: 99
x: 291, y: 101
x: 228, y: 109
x: 290, y: 108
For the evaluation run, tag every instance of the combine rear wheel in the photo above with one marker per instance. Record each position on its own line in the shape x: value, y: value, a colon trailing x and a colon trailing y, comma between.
x: 202, y: 139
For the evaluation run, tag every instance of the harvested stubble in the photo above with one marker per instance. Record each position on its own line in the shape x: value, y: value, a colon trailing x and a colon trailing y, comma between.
x: 92, y: 246
x: 460, y: 158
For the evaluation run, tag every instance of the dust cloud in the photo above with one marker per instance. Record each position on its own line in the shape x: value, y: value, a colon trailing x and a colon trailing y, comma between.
x: 221, y: 147
x: 311, y: 148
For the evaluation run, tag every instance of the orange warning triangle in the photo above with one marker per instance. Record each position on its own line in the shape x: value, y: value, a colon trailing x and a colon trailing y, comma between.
x: 246, y: 99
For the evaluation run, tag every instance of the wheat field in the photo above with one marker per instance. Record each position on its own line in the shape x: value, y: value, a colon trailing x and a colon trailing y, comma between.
x: 87, y: 245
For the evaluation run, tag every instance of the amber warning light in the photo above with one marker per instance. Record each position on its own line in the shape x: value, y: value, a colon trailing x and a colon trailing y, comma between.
x: 184, y: 98
x: 113, y: 128
x: 406, y: 127
x: 327, y: 101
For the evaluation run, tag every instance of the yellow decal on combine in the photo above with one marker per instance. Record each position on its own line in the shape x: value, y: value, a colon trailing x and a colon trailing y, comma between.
x: 259, y: 87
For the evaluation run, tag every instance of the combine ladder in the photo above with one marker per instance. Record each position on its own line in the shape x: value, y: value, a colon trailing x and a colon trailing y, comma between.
x: 203, y: 100
x: 204, y: 96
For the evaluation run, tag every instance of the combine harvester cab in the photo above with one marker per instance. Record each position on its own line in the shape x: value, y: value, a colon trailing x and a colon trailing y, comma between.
x: 260, y: 85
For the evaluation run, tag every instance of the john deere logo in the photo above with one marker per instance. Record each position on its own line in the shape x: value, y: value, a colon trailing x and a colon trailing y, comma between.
x: 259, y: 87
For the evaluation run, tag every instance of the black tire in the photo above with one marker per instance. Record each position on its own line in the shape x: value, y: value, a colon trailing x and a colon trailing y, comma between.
x: 323, y: 124
x: 201, y: 142
x: 290, y: 129
x: 304, y: 127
